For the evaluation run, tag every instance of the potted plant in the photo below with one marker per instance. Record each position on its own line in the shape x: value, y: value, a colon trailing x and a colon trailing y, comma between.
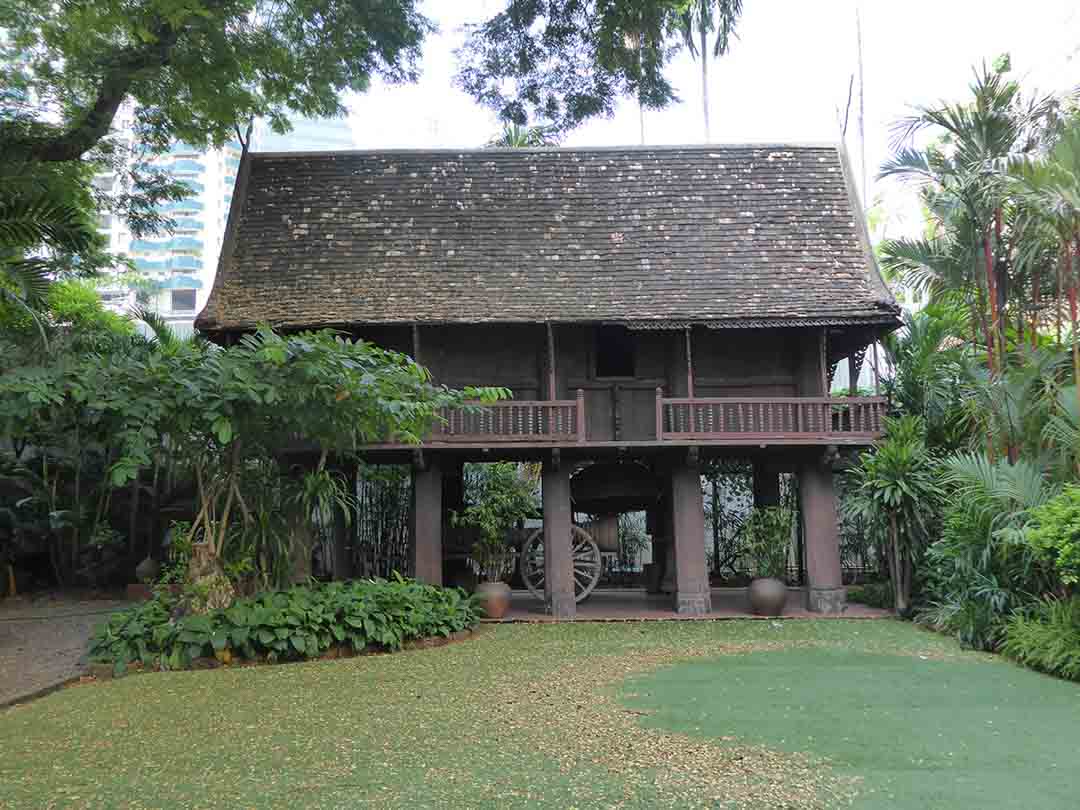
x: 499, y: 496
x: 495, y: 559
x: 767, y: 536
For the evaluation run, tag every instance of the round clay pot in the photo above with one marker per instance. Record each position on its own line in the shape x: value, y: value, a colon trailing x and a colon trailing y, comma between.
x: 768, y: 596
x: 147, y: 571
x: 494, y: 598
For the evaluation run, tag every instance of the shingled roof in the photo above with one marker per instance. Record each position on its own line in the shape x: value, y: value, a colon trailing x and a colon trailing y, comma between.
x: 651, y: 237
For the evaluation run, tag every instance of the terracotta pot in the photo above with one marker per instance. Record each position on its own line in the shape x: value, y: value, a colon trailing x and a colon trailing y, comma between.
x: 494, y: 598
x: 768, y: 596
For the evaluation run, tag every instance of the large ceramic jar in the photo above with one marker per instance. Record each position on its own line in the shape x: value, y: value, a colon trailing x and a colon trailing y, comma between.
x: 494, y: 598
x: 768, y: 596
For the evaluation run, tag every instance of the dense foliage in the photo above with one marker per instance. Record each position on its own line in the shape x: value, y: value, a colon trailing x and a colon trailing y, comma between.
x: 1054, y: 534
x: 1047, y: 637
x: 122, y: 413
x: 298, y: 623
x: 987, y: 490
x: 498, y: 497
x: 767, y: 540
x: 895, y: 496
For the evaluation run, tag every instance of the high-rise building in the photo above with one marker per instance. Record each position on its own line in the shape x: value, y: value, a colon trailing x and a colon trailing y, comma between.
x: 175, y: 271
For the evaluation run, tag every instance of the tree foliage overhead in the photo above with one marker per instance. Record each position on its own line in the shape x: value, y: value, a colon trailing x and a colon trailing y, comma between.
x: 194, y: 67
x: 563, y: 61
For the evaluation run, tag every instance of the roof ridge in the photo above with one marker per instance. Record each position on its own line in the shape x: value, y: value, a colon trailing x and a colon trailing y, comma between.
x: 512, y: 150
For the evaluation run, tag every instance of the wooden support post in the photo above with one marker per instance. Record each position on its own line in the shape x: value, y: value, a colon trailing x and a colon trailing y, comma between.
x: 877, y: 373
x: 659, y: 413
x: 689, y: 366
x: 823, y: 351
x: 552, y: 389
x: 425, y: 548
x: 824, y: 589
x: 558, y: 559
x: 416, y: 343
x: 692, y: 595
x: 580, y: 407
x: 853, y: 376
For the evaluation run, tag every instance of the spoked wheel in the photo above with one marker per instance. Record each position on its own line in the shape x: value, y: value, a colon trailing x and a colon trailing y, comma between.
x: 583, y: 551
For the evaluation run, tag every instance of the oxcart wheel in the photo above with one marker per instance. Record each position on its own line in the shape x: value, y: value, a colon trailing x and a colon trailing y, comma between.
x: 584, y: 552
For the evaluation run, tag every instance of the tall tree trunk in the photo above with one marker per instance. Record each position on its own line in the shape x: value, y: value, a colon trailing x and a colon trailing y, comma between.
x: 1036, y: 303
x: 895, y: 572
x: 704, y: 71
x: 300, y: 548
x: 1060, y: 285
x: 1073, y: 317
x: 992, y: 295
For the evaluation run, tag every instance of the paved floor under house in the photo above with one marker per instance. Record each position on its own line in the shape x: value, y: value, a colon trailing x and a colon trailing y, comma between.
x: 631, y: 604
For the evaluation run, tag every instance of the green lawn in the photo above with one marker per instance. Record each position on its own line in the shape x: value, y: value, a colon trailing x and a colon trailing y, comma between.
x: 719, y: 714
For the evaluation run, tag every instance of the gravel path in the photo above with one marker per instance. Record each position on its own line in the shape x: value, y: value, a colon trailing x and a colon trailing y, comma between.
x: 43, y: 642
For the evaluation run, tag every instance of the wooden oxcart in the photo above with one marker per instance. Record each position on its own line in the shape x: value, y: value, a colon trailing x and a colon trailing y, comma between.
x: 605, y: 489
x: 528, y: 558
x: 586, y: 558
x: 601, y: 489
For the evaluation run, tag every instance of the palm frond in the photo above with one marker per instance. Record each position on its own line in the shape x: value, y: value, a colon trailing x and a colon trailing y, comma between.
x: 34, y: 220
x: 160, y: 328
x: 30, y: 277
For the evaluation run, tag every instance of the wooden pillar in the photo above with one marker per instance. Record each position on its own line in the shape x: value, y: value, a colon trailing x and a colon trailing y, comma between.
x: 877, y: 372
x: 766, y: 484
x: 552, y: 387
x: 824, y: 588
x: 853, y: 376
x: 689, y: 365
x: 427, y: 524
x: 692, y: 596
x: 416, y: 343
x: 558, y: 522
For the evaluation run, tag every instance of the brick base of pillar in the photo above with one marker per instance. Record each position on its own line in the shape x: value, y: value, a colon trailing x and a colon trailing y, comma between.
x: 562, y: 606
x: 693, y: 604
x: 830, y: 601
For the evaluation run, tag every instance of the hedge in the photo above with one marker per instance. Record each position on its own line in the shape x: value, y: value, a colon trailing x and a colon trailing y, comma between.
x: 299, y: 623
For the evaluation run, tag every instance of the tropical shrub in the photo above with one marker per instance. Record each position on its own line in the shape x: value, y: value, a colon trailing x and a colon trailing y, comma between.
x: 1047, y: 638
x: 896, y: 494
x: 1054, y: 534
x: 981, y: 570
x: 766, y: 541
x: 299, y: 623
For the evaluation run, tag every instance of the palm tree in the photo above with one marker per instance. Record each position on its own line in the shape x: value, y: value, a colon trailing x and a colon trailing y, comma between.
x: 514, y: 136
x: 963, y: 176
x: 895, y: 493
x: 701, y: 18
x: 1051, y: 186
x: 926, y: 356
x: 35, y: 221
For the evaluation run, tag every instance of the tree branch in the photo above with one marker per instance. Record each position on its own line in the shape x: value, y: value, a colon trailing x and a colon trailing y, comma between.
x: 123, y: 70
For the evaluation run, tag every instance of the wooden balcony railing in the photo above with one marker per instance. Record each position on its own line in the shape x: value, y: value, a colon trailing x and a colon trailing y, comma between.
x: 558, y: 420
x: 768, y: 417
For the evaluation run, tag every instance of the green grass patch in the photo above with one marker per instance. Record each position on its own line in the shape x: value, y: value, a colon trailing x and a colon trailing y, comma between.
x: 918, y: 731
x: 531, y: 715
